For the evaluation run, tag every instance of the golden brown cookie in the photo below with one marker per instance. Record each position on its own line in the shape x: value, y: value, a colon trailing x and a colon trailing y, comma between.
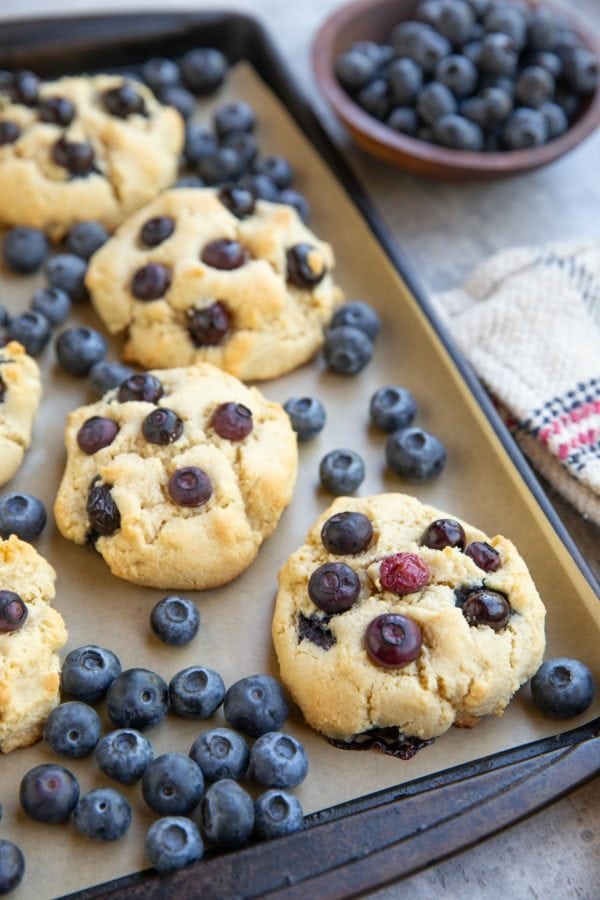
x: 20, y: 392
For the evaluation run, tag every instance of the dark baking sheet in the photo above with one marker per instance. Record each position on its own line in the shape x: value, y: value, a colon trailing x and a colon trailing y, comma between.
x: 60, y: 46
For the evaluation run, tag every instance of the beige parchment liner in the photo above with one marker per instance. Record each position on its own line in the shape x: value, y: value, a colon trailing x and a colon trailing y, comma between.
x: 480, y: 485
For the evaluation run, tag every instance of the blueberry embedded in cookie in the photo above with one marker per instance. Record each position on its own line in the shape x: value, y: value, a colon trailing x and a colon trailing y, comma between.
x: 31, y: 633
x: 206, y: 275
x: 20, y: 392
x: 388, y: 630
x: 177, y: 476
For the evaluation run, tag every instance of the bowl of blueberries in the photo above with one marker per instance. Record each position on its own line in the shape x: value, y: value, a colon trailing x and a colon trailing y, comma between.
x: 460, y: 88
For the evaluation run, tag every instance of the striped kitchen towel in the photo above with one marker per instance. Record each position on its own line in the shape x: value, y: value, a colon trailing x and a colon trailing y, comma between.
x: 528, y: 320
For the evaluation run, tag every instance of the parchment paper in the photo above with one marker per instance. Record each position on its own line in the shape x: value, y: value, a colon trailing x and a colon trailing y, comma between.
x: 479, y: 484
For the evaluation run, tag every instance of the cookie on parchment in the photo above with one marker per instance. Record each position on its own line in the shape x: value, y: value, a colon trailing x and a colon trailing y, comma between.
x: 389, y: 625
x: 190, y: 280
x: 20, y: 392
x: 88, y: 147
x: 177, y: 476
x: 29, y: 662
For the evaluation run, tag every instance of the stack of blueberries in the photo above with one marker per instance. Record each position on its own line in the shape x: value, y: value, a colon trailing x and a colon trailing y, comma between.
x: 478, y: 75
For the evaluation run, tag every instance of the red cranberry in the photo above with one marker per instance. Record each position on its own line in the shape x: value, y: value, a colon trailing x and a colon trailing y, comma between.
x: 334, y: 587
x: 484, y: 556
x: 444, y: 533
x: 102, y: 510
x: 305, y: 266
x: 208, y: 326
x: 146, y: 388
x: 162, y: 426
x: 77, y: 157
x: 123, y: 101
x: 393, y: 641
x: 347, y: 532
x: 403, y: 573
x: 486, y: 608
x: 96, y: 433
x: 238, y: 200
x: 224, y: 254
x: 13, y: 612
x: 232, y: 421
x: 151, y: 282
x: 157, y: 230
x: 56, y: 111
x: 9, y: 133
x: 24, y: 88
x: 190, y: 486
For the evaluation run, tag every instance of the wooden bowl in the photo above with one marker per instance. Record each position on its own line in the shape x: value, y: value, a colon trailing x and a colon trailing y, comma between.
x: 373, y: 20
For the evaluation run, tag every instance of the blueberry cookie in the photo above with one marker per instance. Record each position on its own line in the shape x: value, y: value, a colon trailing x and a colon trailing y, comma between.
x: 395, y: 621
x: 83, y: 148
x: 31, y: 633
x: 20, y: 392
x: 177, y: 477
x: 200, y: 276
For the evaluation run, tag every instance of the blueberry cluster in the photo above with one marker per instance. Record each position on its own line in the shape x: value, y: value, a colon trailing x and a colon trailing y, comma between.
x: 477, y: 75
x: 411, y: 452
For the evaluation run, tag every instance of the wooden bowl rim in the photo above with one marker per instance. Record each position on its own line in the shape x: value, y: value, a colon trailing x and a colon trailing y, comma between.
x: 459, y: 161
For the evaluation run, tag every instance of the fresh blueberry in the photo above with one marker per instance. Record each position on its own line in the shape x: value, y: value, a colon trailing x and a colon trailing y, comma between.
x: 358, y: 314
x: 199, y: 143
x: 25, y: 249
x: 292, y: 198
x: 137, y: 698
x: 277, y: 168
x: 67, y: 272
x: 435, y: 100
x: 457, y: 133
x: 277, y: 813
x: 341, y: 472
x: 278, y: 760
x: 124, y: 754
x: 203, y: 70
x: 392, y: 408
x: 85, y: 238
x: 183, y: 101
x: 160, y: 73
x: 405, y: 80
x: 31, y: 329
x: 172, y: 784
x: 78, y: 349
x: 255, y: 705
x: 106, y: 375
x: 172, y: 843
x: 490, y: 107
x: 458, y: 74
x: 472, y: 50
x: 103, y: 814
x: 544, y: 26
x: 52, y: 303
x: 525, y: 128
x: 226, y: 814
x: 261, y: 186
x: 72, y: 729
x: 220, y: 753
x: 175, y: 620
x: 375, y: 98
x: 347, y: 533
x: 403, y: 119
x: 454, y: 19
x: 307, y: 416
x: 507, y: 19
x: 551, y: 62
x: 23, y: 87
x: 415, y: 454
x: 88, y: 672
x: 355, y: 70
x: 196, y: 692
x: 568, y: 102
x: 236, y: 115
x: 245, y: 145
x: 562, y: 688
x: 223, y: 166
x: 347, y: 350
x: 12, y: 866
x: 556, y: 119
x: 581, y: 71
x: 23, y: 515
x: 534, y: 86
x: 49, y: 794
x: 498, y: 54
x: 420, y: 43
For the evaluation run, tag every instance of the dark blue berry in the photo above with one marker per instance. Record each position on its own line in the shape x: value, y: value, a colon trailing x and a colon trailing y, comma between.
x: 255, y: 705
x: 220, y: 753
x: 420, y: 43
x: 179, y: 98
x: 298, y: 201
x: 49, y: 794
x: 347, y: 533
x: 23, y: 515
x: 277, y: 813
x: 88, y: 672
x: 551, y: 62
x: 67, y: 272
x: 31, y: 329
x: 415, y: 454
x: 23, y: 87
x: 85, y: 238
x: 581, y: 71
x: 458, y: 74
x: 277, y: 168
x: 507, y: 20
x: 56, y: 110
x: 172, y: 784
x: 196, y: 692
x: 223, y: 166
x: 261, y: 186
x: 392, y: 408
x: 160, y: 73
x: 123, y: 101
x: 78, y: 349
x: 307, y: 416
x: 405, y: 80
x: 534, y: 86
x: 381, y: 54
x: 199, y: 143
x: 454, y: 19
x: 403, y: 119
x: 175, y: 620
x: 172, y: 843
x: 457, y: 133
x: 52, y: 303
x: 226, y: 814
x: 238, y: 200
x: 498, y: 54
x: 12, y: 866
x: 525, y: 128
x: 124, y: 754
x: 137, y: 698
x: 203, y: 70
x: 544, y: 27
x: 375, y: 98
x: 435, y: 100
x: 72, y: 729
x: 341, y: 472
x: 245, y: 145
x: 103, y: 814
x: 106, y: 375
x: 25, y: 249
x: 555, y: 118
x: 358, y: 314
x: 562, y: 688
x: 347, y: 350
x: 355, y: 69
x: 278, y: 760
x: 13, y: 612
x: 236, y: 115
